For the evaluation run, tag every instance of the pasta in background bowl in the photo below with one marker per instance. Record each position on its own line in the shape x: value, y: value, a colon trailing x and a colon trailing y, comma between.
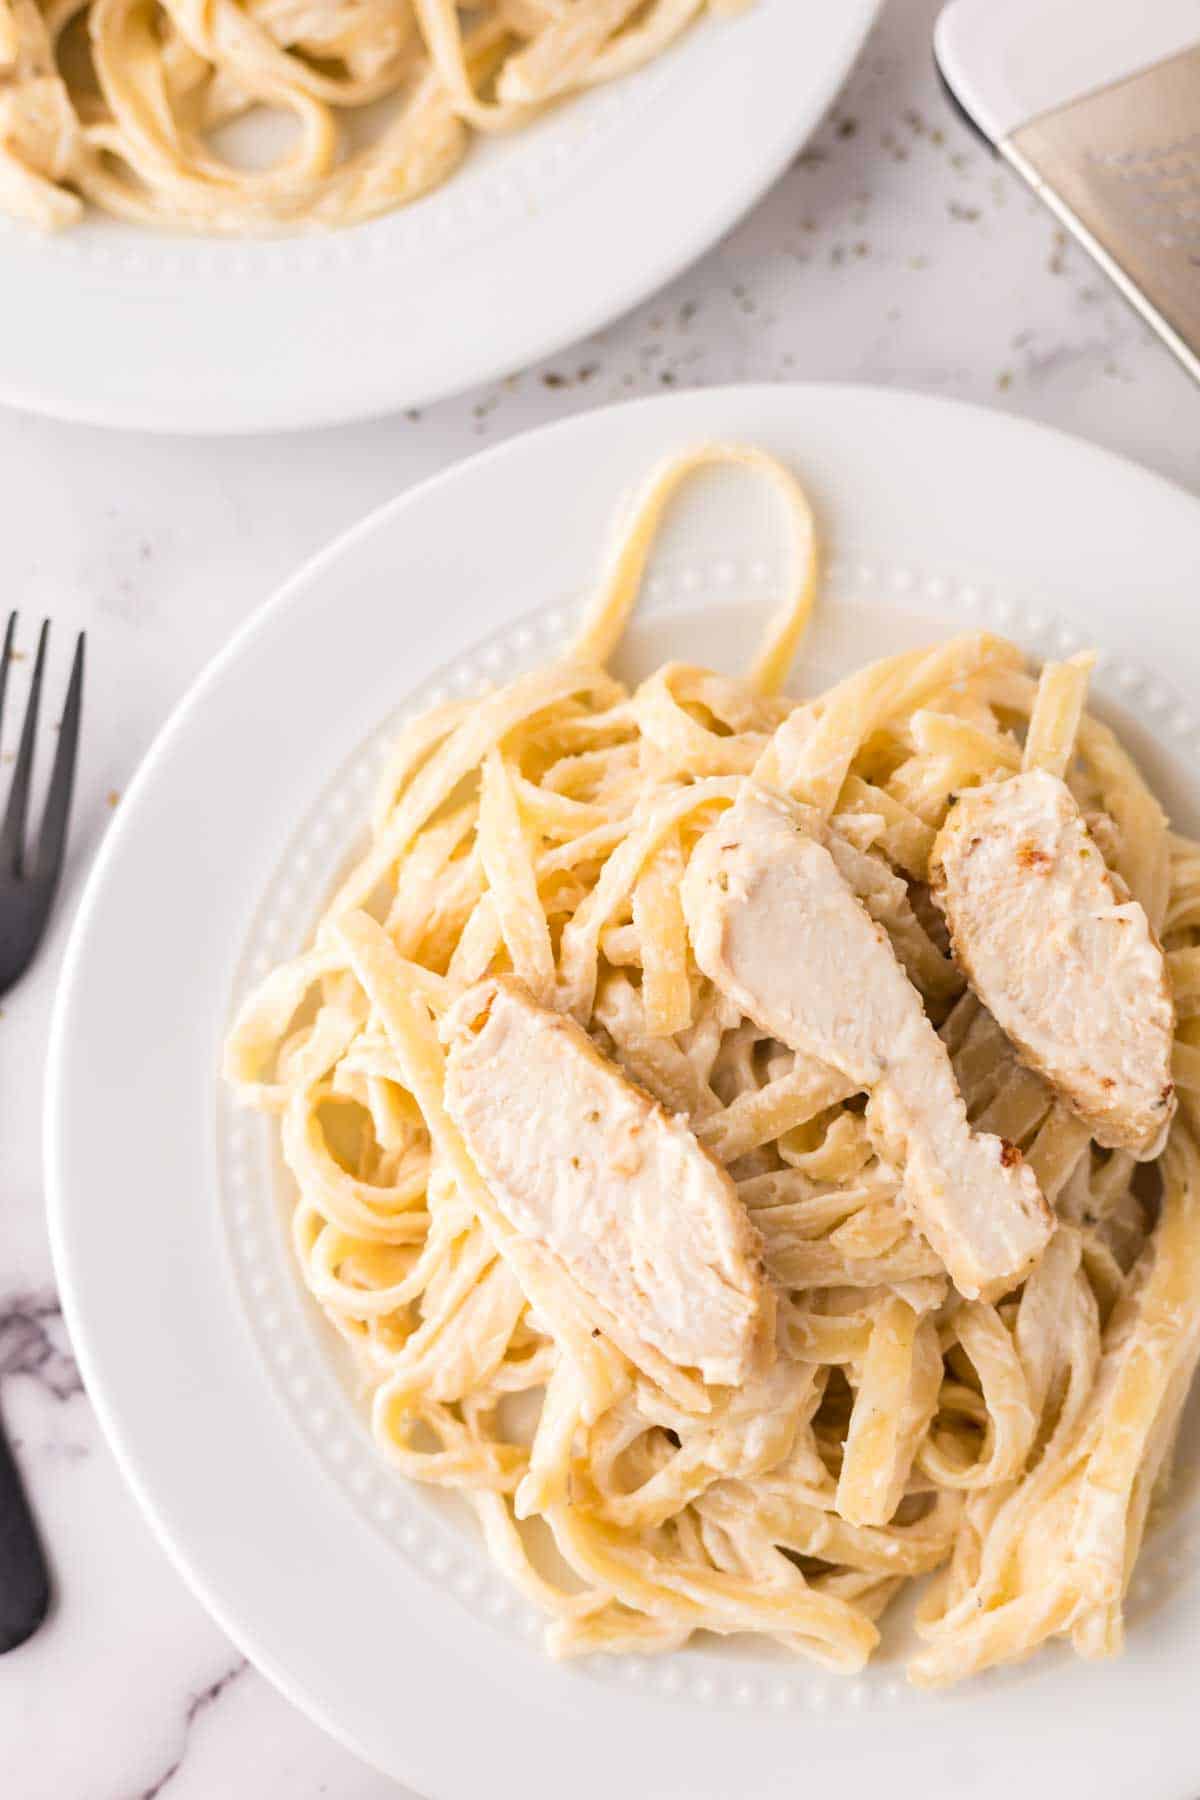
x: 122, y: 105
x: 1013, y: 1436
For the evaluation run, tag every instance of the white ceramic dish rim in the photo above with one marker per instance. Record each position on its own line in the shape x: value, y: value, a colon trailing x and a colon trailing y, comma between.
x: 450, y: 1640
x: 533, y: 246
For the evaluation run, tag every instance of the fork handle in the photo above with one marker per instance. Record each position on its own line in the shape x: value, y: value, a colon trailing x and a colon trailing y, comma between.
x: 24, y: 1577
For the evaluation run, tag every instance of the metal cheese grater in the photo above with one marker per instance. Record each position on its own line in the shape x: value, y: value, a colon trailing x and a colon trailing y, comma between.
x: 1097, y: 103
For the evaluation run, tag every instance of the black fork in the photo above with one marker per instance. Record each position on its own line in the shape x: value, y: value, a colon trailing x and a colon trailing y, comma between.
x: 29, y: 875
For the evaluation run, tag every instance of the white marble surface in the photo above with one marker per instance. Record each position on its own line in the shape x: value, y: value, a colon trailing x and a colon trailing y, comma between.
x: 897, y: 252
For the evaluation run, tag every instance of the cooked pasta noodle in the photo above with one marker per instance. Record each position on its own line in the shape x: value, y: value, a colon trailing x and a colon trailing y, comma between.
x: 1012, y: 1448
x: 121, y: 103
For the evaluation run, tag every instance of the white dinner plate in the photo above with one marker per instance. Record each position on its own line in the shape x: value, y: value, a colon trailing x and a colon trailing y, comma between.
x: 540, y: 238
x: 218, y: 1383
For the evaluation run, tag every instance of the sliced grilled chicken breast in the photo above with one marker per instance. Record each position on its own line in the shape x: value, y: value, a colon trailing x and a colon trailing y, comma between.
x: 774, y: 924
x: 1062, y: 957
x: 587, y: 1165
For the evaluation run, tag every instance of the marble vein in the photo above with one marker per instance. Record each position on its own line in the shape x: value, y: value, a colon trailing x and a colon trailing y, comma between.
x: 199, y: 1704
x: 33, y: 1342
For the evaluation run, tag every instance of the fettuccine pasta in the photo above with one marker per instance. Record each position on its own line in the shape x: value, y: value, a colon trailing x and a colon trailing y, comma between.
x: 121, y: 103
x: 1011, y: 1448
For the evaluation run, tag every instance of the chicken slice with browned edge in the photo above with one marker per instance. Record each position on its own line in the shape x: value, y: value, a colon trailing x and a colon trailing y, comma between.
x: 1061, y: 956
x: 774, y: 924
x: 585, y: 1164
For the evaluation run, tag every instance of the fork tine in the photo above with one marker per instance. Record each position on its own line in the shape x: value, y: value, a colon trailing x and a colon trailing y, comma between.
x: 12, y: 832
x: 6, y: 658
x: 52, y: 834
